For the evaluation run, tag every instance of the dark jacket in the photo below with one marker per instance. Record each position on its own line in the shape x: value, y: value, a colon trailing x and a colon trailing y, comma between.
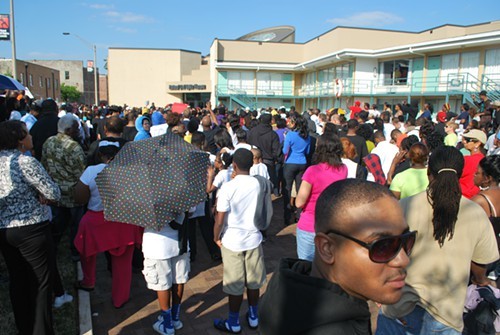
x: 264, y: 138
x: 44, y: 128
x: 296, y: 303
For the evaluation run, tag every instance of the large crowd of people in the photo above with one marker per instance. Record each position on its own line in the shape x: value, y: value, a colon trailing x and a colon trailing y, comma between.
x: 369, y: 189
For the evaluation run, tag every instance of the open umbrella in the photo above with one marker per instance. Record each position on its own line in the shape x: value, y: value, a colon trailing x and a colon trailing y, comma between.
x: 8, y: 83
x: 151, y: 181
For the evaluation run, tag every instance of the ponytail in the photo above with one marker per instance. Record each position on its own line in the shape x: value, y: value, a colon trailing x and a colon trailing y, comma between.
x: 444, y: 192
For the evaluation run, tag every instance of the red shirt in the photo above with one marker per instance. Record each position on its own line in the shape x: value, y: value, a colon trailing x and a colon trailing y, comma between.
x: 355, y: 111
x: 467, y: 180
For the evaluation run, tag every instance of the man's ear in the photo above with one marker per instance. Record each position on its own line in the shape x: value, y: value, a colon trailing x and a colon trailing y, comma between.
x: 325, y: 248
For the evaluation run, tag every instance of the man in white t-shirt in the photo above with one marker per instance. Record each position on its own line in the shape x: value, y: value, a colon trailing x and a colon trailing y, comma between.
x: 385, y: 150
x: 240, y: 242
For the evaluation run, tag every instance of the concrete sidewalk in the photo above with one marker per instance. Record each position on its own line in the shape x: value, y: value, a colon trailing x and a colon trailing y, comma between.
x: 203, y: 297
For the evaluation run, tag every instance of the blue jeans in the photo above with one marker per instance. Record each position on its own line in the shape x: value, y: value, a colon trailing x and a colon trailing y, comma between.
x: 305, y: 244
x: 417, y: 322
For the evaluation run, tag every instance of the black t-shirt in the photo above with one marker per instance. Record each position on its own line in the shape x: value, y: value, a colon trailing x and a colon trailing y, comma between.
x: 209, y: 138
x: 129, y: 133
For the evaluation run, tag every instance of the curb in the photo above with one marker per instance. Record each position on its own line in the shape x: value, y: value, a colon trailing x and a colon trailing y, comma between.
x: 84, y: 313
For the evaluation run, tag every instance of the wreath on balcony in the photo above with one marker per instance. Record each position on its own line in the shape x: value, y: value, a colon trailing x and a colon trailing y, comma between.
x: 339, y: 87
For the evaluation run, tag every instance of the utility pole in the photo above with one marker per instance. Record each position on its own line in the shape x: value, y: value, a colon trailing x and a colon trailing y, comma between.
x: 13, y: 40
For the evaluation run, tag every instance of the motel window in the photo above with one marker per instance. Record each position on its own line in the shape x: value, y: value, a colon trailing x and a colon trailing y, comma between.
x: 394, y: 72
x: 48, y: 82
x: 241, y: 82
x: 269, y: 83
x: 66, y: 75
x: 31, y: 80
x: 22, y: 78
x: 40, y: 81
x: 56, y: 83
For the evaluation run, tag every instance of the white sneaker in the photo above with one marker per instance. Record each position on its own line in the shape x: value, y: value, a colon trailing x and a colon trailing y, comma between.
x: 492, y: 275
x: 160, y: 328
x: 63, y: 299
x: 177, y: 323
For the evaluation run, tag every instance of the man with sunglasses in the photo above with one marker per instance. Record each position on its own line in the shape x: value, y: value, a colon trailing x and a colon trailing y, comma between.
x: 362, y: 246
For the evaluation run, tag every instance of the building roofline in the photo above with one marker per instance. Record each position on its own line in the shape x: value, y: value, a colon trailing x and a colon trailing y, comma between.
x: 157, y: 49
x: 399, y: 31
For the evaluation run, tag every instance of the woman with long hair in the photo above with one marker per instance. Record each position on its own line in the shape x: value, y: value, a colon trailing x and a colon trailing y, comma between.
x: 295, y: 148
x: 487, y: 178
x: 454, y: 238
x: 25, y: 238
x: 327, y: 169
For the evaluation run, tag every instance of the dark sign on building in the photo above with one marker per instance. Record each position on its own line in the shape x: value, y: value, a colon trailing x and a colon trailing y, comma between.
x: 4, y: 27
x: 187, y: 87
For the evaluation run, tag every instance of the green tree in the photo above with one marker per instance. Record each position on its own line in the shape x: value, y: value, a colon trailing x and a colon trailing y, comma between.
x: 70, y: 93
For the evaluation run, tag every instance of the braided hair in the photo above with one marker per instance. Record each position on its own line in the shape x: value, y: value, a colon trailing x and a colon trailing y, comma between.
x: 444, y: 193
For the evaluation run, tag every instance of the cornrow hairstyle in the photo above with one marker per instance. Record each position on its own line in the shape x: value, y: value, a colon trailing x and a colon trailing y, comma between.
x: 444, y: 193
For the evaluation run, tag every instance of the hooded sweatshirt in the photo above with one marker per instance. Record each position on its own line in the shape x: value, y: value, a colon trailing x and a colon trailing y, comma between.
x: 141, y: 133
x: 263, y: 137
x: 296, y: 303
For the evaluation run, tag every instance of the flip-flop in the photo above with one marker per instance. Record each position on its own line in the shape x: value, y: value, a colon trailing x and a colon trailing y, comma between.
x: 223, y: 325
x: 79, y: 286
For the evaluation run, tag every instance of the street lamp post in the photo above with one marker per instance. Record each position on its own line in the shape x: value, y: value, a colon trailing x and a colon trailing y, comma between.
x: 95, y: 64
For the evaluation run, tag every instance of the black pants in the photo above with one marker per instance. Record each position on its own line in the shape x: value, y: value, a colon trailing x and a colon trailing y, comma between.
x: 207, y: 232
x: 29, y: 255
x: 291, y: 173
x: 271, y: 169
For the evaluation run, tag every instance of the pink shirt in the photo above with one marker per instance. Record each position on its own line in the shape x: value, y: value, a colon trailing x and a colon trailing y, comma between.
x: 320, y: 176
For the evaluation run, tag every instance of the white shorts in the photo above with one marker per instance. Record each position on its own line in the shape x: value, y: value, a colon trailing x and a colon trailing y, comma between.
x: 160, y: 274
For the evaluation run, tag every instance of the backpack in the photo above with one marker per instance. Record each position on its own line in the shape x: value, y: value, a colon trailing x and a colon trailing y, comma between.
x: 264, y: 212
x: 480, y: 321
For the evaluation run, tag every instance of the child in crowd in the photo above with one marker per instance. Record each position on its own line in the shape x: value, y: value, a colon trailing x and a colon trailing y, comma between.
x: 223, y: 165
x: 166, y: 271
x: 258, y: 168
x: 201, y: 216
x: 451, y: 138
x: 236, y: 234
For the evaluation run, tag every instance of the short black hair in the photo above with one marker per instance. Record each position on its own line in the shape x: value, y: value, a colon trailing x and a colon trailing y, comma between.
x: 352, y: 124
x: 197, y: 138
x: 241, y: 135
x: 345, y: 194
x: 193, y: 125
x: 11, y: 132
x: 115, y: 124
x: 243, y: 158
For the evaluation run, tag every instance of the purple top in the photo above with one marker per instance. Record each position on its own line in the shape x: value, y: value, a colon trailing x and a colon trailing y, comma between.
x: 281, y: 134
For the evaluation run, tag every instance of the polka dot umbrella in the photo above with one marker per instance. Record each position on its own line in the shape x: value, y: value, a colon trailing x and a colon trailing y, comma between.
x: 150, y: 181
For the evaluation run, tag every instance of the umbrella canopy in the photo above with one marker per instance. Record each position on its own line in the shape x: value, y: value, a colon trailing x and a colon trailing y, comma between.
x: 151, y: 181
x: 8, y: 83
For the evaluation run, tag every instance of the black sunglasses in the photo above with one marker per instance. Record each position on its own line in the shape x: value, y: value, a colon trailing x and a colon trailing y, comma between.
x: 384, y: 249
x: 468, y: 140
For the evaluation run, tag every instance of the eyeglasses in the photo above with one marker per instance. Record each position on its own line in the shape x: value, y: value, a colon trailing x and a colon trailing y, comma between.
x: 384, y: 249
x: 468, y: 140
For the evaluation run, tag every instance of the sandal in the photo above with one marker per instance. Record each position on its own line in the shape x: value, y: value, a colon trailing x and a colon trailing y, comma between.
x: 224, y: 326
x: 79, y: 286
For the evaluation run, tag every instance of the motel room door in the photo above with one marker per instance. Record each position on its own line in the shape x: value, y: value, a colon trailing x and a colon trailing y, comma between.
x: 432, y: 77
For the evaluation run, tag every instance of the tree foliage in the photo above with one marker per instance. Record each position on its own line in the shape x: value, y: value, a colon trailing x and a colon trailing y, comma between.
x: 70, y: 93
